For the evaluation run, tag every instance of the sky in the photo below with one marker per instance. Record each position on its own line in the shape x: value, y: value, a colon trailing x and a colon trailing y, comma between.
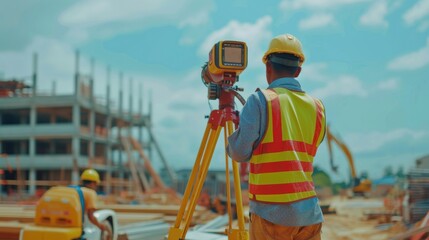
x: 368, y: 61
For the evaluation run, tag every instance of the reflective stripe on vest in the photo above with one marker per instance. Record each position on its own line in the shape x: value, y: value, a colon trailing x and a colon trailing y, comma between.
x: 282, y: 164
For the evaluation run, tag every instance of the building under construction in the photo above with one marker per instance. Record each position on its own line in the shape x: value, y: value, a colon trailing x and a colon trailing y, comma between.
x: 48, y: 139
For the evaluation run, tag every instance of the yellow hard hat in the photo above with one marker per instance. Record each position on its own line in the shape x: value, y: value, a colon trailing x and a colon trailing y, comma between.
x: 90, y: 175
x: 285, y: 43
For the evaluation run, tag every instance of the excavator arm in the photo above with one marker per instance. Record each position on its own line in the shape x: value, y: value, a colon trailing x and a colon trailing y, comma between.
x: 359, y: 186
x: 331, y: 138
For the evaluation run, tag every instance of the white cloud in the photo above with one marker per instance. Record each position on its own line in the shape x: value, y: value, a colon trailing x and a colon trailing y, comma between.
x: 411, y: 61
x: 417, y: 12
x: 390, y: 84
x: 322, y: 8
x: 186, y: 40
x: 344, y: 85
x: 368, y: 142
x: 55, y: 62
x: 197, y: 19
x: 104, y: 18
x: 315, y: 4
x: 256, y: 35
x: 375, y: 15
x: 317, y: 21
x: 314, y: 72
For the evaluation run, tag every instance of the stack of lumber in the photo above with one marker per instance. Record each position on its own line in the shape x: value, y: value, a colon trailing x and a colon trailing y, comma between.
x: 418, y: 188
x: 19, y: 213
x: 168, y: 212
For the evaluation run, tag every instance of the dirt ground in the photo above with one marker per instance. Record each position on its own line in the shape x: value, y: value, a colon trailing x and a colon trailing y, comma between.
x: 351, y: 221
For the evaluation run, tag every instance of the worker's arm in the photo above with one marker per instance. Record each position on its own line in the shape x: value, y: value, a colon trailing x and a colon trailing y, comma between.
x: 94, y: 220
x: 242, y: 142
x: 91, y: 208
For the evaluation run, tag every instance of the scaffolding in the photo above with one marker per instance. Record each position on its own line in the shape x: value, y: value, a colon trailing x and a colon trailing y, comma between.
x: 49, y: 140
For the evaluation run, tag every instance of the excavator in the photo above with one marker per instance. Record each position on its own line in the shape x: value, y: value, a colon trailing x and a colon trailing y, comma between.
x: 360, y: 187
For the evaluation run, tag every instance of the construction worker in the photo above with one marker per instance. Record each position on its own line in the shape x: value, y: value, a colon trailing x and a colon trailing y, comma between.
x: 279, y: 131
x: 90, y: 180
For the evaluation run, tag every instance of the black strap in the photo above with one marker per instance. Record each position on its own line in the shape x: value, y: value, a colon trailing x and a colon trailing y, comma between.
x: 284, y: 62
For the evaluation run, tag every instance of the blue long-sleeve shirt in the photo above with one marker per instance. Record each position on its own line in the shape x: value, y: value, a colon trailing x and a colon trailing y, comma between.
x: 241, y: 143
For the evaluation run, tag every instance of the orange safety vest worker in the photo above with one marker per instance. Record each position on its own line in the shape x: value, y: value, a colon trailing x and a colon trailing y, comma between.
x: 282, y: 164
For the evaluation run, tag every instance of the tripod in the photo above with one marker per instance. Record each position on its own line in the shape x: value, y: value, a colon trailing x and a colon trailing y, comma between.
x: 227, y: 118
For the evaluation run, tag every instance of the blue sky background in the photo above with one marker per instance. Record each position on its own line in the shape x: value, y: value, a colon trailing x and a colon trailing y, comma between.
x: 367, y: 60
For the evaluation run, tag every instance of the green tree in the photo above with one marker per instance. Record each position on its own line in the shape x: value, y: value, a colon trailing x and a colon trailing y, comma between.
x: 388, y: 171
x: 400, y: 173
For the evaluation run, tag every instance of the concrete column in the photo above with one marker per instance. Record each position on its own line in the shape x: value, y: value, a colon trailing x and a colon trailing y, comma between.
x: 140, y: 114
x: 76, y: 117
x: 33, y: 116
x: 76, y: 76
x: 34, y: 77
x: 75, y: 144
x: 32, y: 145
x: 32, y: 140
x: 91, y: 150
x: 32, y: 148
x: 32, y: 154
x: 91, y: 119
x: 75, y: 159
x: 108, y: 126
x: 32, y: 179
x: 121, y: 112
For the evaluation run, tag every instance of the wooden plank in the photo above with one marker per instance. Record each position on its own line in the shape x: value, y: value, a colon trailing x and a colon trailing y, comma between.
x: 11, y: 226
x: 140, y: 180
x: 10, y: 230
x: 23, y: 217
x: 147, y: 164
x: 164, y: 209
x: 127, y: 218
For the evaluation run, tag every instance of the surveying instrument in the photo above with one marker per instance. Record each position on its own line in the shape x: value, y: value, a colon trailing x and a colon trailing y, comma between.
x: 227, y: 59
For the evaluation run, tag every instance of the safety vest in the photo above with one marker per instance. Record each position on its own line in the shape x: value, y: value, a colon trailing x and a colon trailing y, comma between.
x: 282, y: 164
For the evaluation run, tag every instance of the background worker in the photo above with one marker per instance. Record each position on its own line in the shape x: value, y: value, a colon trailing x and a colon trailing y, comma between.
x: 279, y: 131
x: 90, y: 180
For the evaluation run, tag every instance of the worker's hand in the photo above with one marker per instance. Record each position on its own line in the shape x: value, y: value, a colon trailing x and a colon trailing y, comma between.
x: 107, y: 232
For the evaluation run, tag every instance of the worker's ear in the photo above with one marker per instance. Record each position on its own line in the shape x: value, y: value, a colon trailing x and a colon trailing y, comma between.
x: 297, y: 72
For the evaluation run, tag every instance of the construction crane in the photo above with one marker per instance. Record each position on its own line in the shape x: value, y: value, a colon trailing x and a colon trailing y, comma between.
x: 359, y: 186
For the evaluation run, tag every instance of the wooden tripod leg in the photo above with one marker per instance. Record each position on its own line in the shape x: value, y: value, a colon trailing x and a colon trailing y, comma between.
x: 241, y: 232
x: 195, y: 184
x: 175, y: 232
x: 207, y: 156
x: 228, y: 181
